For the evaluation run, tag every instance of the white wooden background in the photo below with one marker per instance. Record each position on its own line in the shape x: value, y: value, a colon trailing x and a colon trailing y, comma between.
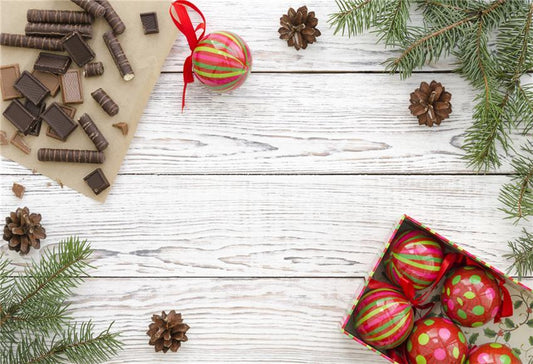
x: 257, y: 214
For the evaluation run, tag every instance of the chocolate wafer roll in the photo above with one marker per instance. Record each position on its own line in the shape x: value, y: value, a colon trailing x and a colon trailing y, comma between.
x: 93, y: 69
x: 58, y: 30
x: 112, y: 17
x: 106, y: 102
x: 119, y: 56
x: 90, y: 6
x: 59, y: 16
x: 24, y: 41
x: 93, y: 132
x: 70, y: 156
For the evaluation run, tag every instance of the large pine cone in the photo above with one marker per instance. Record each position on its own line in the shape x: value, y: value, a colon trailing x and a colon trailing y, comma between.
x: 167, y: 331
x: 23, y: 230
x: 298, y: 28
x: 430, y: 103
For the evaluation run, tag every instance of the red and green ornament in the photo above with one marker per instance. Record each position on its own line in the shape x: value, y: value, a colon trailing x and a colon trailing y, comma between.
x: 384, y: 318
x: 471, y: 296
x: 416, y: 258
x: 493, y: 353
x: 436, y: 340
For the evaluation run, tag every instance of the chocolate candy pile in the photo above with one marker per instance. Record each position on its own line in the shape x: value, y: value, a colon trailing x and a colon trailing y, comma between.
x: 67, y: 32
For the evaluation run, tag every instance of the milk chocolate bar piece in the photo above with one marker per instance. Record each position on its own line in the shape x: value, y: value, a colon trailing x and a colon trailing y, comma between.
x: 78, y: 49
x: 36, y: 111
x: 3, y: 138
x: 31, y: 88
x: 58, y: 30
x: 97, y: 181
x: 118, y: 55
x: 106, y: 102
x: 90, y: 6
x: 70, y: 155
x: 52, y: 134
x: 59, y: 121
x: 93, y: 132
x: 71, y: 88
x: 52, y: 63
x: 112, y: 17
x: 69, y: 110
x: 58, y: 16
x: 24, y: 41
x: 93, y: 69
x: 21, y: 118
x: 49, y: 80
x: 18, y: 141
x: 150, y: 23
x: 8, y: 75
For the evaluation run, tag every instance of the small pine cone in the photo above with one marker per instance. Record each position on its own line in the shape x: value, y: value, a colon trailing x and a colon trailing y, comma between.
x: 23, y: 230
x: 167, y: 331
x: 430, y: 103
x: 298, y: 28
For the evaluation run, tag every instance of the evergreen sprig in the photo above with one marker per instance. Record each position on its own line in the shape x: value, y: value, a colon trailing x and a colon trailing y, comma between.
x: 521, y: 254
x: 35, y: 325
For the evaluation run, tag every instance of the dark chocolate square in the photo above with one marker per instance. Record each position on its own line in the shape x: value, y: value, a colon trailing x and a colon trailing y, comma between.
x: 59, y: 121
x: 78, y: 49
x: 52, y: 63
x: 36, y: 111
x: 150, y: 23
x: 97, y: 181
x: 31, y: 88
x: 21, y: 118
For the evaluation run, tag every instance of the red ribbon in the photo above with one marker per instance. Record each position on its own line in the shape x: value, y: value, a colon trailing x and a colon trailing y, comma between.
x: 184, y: 24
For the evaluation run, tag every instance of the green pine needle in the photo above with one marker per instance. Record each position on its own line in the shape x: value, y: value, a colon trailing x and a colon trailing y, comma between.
x: 522, y: 255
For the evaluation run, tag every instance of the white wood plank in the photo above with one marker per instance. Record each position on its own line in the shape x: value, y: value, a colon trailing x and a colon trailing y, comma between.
x: 258, y: 25
x: 263, y: 226
x: 298, y: 123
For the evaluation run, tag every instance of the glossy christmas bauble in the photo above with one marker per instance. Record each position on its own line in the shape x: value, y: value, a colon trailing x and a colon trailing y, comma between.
x: 471, y: 296
x: 436, y: 341
x: 416, y: 257
x: 222, y: 61
x: 493, y: 353
x: 384, y: 318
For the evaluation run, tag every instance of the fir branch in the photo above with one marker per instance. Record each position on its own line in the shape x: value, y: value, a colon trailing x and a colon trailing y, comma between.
x: 392, y: 22
x: 522, y: 255
x: 355, y: 16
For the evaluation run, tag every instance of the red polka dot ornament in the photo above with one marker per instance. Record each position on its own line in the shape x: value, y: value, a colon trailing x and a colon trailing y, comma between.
x: 493, y: 353
x: 436, y: 341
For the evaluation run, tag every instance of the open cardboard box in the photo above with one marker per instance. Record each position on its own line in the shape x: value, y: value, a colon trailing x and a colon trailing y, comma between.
x: 515, y: 331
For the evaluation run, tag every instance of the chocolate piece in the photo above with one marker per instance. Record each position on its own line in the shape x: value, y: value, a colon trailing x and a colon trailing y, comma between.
x: 23, y: 41
x: 150, y: 23
x: 18, y: 141
x: 123, y: 128
x: 18, y: 190
x: 21, y: 118
x: 97, y: 181
x: 70, y: 155
x: 112, y: 17
x: 78, y: 49
x: 31, y: 88
x: 3, y: 138
x: 93, y: 69
x: 36, y: 111
x: 118, y: 55
x: 52, y: 134
x: 106, y: 102
x: 90, y: 6
x: 71, y: 89
x: 58, y: 30
x: 93, y: 132
x: 49, y: 80
x: 52, y: 63
x: 59, y: 16
x: 69, y: 110
x: 8, y: 75
x: 59, y: 121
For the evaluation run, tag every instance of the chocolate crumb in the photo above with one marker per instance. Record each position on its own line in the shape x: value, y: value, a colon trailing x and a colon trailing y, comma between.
x: 60, y: 182
x: 18, y: 190
x: 123, y: 128
x: 18, y: 141
x: 3, y: 138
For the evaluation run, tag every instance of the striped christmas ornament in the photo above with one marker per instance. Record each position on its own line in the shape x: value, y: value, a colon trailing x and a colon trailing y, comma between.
x: 384, y: 318
x: 416, y: 257
x: 493, y: 353
x: 222, y: 61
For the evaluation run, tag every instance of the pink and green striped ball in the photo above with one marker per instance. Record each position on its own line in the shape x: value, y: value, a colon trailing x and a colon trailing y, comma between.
x: 384, y: 318
x: 222, y: 61
x: 416, y: 257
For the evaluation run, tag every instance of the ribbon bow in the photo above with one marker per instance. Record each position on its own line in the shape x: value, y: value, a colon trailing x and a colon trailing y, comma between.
x: 184, y: 24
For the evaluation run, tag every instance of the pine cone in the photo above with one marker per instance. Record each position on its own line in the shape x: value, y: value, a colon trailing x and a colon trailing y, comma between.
x: 167, y: 331
x: 23, y: 230
x: 430, y: 103
x: 298, y: 28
